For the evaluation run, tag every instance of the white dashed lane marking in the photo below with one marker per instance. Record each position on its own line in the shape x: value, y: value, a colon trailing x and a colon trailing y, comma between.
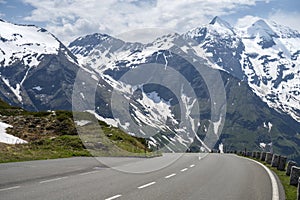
x: 169, y: 176
x: 184, y: 169
x: 146, y: 185
x: 114, y: 197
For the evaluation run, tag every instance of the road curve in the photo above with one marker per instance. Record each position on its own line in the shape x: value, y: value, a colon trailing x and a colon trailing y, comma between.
x: 192, y: 176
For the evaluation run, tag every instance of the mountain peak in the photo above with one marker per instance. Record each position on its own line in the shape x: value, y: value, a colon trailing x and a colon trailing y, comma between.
x: 218, y: 21
x: 263, y: 25
x: 92, y: 39
x: 263, y: 30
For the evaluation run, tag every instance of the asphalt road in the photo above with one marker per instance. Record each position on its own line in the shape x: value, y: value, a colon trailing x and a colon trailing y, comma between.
x: 191, y: 176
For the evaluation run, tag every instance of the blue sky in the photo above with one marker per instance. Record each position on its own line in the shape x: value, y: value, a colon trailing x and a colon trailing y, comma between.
x: 68, y: 19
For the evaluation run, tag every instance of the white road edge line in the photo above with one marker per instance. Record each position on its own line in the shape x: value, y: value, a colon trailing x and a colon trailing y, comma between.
x: 169, y: 176
x: 10, y: 188
x: 275, y: 190
x: 192, y: 166
x: 55, y: 179
x: 184, y: 169
x: 114, y: 197
x: 146, y: 185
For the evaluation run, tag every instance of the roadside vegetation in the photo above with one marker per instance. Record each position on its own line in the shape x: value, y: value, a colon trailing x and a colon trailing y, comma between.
x: 54, y: 135
x: 290, y: 191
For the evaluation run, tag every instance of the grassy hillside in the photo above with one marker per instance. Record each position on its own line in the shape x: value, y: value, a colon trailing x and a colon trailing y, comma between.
x: 54, y: 135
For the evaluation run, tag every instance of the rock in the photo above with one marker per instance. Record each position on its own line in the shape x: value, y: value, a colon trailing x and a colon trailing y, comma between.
x: 282, y: 163
x: 275, y: 160
x: 263, y: 156
x: 289, y: 167
x: 295, y: 174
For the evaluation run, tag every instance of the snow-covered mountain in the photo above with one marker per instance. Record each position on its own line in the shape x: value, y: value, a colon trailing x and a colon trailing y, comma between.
x: 264, y: 54
x: 271, y: 64
x: 258, y: 63
x: 34, y: 68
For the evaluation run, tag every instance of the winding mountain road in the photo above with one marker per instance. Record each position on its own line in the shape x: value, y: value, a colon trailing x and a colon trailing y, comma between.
x: 183, y: 176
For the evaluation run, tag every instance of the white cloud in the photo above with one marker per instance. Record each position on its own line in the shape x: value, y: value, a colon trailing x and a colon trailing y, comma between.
x: 69, y: 19
x: 290, y: 19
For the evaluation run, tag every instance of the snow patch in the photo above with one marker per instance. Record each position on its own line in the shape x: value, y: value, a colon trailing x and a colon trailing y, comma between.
x: 38, y: 88
x: 7, y: 138
x: 262, y: 145
x: 221, y: 148
x: 82, y: 122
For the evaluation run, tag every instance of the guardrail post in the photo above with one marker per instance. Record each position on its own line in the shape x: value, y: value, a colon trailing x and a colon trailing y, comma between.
x: 275, y: 160
x: 258, y: 155
x: 295, y: 174
x: 298, y: 192
x: 269, y: 157
x: 249, y: 153
x: 282, y: 163
x: 289, y: 167
x: 263, y: 156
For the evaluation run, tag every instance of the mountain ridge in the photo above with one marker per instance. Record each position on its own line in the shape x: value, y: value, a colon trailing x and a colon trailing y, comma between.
x: 106, y: 59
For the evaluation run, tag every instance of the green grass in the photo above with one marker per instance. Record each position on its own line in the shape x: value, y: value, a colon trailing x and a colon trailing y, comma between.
x: 57, y: 147
x: 290, y: 191
x: 54, y: 135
